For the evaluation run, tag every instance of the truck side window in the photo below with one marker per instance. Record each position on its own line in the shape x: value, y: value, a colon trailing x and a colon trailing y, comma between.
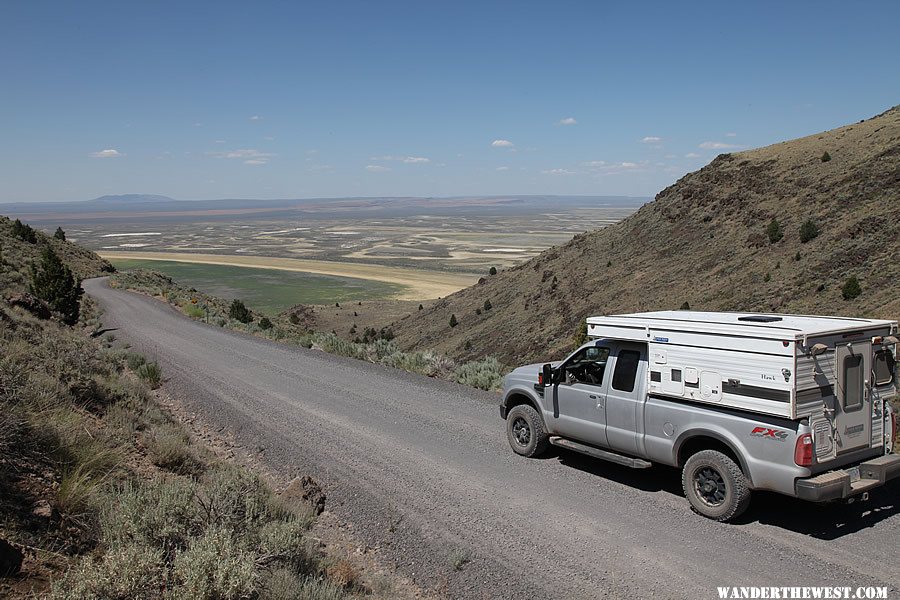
x: 587, y: 366
x: 626, y: 370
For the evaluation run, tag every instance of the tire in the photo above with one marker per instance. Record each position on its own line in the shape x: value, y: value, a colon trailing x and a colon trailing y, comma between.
x: 715, y: 486
x: 525, y: 431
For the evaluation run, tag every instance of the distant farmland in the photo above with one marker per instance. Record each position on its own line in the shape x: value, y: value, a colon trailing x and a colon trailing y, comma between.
x: 267, y: 290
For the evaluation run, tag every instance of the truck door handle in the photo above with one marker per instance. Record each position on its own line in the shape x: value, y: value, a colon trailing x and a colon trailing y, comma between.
x: 592, y: 397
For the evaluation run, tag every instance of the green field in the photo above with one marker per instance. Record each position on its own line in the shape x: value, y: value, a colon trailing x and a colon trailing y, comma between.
x: 266, y: 290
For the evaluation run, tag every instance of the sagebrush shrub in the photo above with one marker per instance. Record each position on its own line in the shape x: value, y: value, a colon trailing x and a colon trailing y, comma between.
x: 127, y: 571
x: 161, y: 513
x: 170, y: 449
x: 215, y: 566
x: 485, y: 374
x: 808, y: 231
x: 151, y: 373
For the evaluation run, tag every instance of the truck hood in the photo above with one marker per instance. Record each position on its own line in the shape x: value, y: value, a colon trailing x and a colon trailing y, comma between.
x: 530, y: 372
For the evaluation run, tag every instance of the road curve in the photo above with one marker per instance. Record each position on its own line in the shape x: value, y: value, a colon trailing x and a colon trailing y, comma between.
x: 421, y: 469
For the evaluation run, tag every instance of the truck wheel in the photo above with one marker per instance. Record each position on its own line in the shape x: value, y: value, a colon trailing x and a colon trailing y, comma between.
x: 525, y: 431
x: 715, y: 486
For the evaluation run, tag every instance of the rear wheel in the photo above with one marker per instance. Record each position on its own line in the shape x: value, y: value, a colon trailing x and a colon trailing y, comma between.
x: 525, y: 431
x: 715, y: 486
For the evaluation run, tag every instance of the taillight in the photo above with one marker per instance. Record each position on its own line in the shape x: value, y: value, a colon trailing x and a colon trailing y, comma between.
x: 540, y: 379
x: 803, y: 451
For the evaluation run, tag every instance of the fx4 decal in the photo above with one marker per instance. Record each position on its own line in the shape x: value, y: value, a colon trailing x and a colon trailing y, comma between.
x: 772, y: 434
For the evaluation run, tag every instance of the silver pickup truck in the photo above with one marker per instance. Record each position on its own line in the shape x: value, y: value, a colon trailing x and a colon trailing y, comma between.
x: 739, y: 402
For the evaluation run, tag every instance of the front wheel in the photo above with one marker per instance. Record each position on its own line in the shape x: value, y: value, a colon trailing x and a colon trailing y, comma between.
x: 525, y: 431
x: 715, y: 486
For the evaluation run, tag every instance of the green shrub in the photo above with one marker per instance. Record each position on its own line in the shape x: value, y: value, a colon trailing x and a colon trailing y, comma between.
x: 54, y: 283
x: 485, y: 374
x: 237, y: 499
x: 24, y: 232
x: 151, y: 373
x: 265, y: 323
x: 193, y: 311
x: 285, y: 541
x: 459, y: 558
x: 685, y: 306
x: 851, y: 288
x: 135, y: 360
x: 493, y: 271
x: 797, y: 256
x: 239, y: 312
x: 453, y: 321
x: 59, y: 234
x: 129, y: 571
x: 825, y: 157
x: 285, y: 584
x: 582, y: 333
x: 161, y: 513
x: 774, y: 231
x: 170, y: 449
x: 808, y: 231
x: 767, y: 277
x: 488, y: 305
x: 215, y: 567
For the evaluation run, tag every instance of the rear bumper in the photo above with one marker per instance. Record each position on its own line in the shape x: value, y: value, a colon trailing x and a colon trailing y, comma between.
x: 837, y: 485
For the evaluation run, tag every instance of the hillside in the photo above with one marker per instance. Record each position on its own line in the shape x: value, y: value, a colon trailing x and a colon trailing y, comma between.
x: 704, y: 241
x: 17, y: 254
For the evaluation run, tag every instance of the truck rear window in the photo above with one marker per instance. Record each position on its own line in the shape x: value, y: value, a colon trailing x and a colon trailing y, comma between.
x: 884, y: 367
x: 626, y: 370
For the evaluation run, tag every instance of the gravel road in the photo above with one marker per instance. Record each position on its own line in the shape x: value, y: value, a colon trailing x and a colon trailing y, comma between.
x: 421, y: 470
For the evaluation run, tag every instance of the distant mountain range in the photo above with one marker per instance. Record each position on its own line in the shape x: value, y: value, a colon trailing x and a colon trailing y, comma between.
x: 148, y: 206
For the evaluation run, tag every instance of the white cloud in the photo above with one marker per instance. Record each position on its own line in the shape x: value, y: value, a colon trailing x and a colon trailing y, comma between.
x: 376, y: 168
x: 692, y: 155
x: 629, y: 165
x: 731, y: 134
x: 410, y: 160
x: 108, y: 153
x: 502, y: 144
x: 558, y: 172
x: 503, y: 168
x: 218, y: 141
x: 716, y: 146
x: 568, y: 121
x: 651, y: 139
x: 255, y: 118
x: 594, y: 163
x: 250, y: 156
x: 198, y: 124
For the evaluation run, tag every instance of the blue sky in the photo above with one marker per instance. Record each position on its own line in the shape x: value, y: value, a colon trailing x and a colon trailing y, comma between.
x: 288, y: 99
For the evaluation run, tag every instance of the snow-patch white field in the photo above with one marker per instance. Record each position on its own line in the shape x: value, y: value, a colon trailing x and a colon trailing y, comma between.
x: 109, y: 235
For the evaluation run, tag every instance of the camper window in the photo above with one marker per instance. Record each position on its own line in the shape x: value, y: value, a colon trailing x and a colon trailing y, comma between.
x: 626, y: 370
x: 884, y: 367
x: 853, y: 382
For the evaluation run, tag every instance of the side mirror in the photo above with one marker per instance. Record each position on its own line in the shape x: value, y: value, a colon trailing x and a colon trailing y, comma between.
x: 547, y: 375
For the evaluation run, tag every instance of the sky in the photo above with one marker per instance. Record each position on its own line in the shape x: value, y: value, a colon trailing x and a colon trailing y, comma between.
x: 204, y: 100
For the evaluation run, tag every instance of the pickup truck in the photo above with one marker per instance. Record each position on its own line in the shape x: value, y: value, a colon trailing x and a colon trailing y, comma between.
x: 795, y: 405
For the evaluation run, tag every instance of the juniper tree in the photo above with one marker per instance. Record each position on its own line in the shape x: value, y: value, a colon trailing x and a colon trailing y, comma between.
x: 53, y: 282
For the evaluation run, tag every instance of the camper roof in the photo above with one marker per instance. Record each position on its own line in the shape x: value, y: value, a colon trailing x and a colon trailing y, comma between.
x: 762, y: 325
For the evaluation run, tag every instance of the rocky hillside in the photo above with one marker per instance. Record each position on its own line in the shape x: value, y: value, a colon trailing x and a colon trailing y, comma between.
x: 709, y: 241
x: 18, y: 249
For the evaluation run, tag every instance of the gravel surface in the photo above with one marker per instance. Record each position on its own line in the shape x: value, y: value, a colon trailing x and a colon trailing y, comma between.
x: 422, y: 471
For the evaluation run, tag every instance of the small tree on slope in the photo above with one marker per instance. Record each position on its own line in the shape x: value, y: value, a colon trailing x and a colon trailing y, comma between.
x: 53, y: 282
